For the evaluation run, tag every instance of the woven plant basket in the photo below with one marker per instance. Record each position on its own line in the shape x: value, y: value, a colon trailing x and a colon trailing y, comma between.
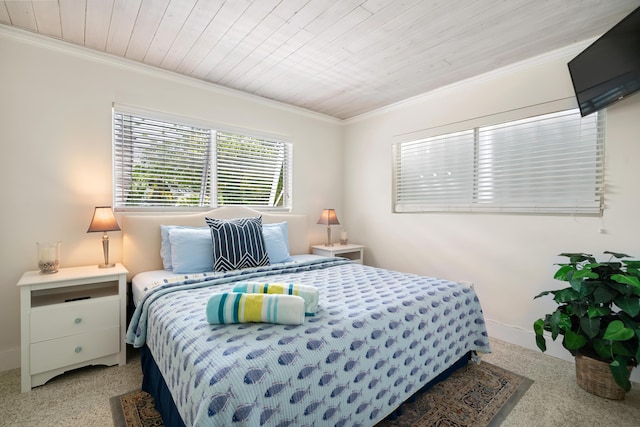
x: 595, y: 377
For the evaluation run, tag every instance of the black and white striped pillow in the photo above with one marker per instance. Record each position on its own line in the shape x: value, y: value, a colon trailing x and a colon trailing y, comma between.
x: 237, y: 243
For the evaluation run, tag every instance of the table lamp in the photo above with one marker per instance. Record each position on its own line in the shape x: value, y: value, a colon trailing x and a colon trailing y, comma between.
x: 329, y: 218
x: 104, y: 220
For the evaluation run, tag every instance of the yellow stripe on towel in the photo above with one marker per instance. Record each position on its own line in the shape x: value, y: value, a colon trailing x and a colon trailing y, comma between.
x: 281, y: 288
x: 252, y: 305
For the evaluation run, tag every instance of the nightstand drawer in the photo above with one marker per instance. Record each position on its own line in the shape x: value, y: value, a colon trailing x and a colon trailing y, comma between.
x: 77, y: 317
x: 67, y: 351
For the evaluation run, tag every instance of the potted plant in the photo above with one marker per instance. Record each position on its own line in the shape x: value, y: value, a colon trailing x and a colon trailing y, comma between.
x: 598, y: 316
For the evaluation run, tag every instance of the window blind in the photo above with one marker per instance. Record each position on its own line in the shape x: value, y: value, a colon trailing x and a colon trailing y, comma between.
x: 250, y: 170
x: 160, y: 163
x: 551, y: 163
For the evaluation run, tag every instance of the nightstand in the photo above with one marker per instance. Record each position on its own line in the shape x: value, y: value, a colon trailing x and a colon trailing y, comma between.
x: 70, y: 319
x: 349, y: 251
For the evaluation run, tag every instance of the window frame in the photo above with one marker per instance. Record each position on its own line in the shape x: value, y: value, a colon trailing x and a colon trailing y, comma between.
x: 214, y: 128
x: 401, y: 201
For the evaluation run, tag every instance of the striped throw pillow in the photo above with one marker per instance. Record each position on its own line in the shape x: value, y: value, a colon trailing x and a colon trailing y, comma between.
x: 237, y: 243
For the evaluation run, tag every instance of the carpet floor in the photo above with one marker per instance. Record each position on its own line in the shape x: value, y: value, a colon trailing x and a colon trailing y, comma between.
x: 477, y: 395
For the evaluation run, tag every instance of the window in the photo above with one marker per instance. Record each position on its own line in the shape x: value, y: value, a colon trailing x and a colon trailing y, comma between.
x: 545, y: 164
x: 163, y: 163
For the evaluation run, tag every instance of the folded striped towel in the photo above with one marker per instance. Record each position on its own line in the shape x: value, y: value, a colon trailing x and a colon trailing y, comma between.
x: 232, y: 307
x: 310, y: 294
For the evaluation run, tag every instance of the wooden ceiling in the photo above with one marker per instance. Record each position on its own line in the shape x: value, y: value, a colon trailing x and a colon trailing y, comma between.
x: 340, y: 58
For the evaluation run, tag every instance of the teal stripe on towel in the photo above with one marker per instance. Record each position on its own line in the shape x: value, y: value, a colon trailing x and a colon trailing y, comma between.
x: 269, y: 314
x: 223, y: 300
x: 275, y: 309
x: 236, y: 308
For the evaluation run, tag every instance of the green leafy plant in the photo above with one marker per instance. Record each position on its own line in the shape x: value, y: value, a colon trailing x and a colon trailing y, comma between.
x: 598, y: 315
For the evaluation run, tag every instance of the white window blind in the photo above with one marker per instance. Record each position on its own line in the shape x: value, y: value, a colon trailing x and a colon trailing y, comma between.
x: 545, y: 164
x: 250, y: 170
x: 160, y: 163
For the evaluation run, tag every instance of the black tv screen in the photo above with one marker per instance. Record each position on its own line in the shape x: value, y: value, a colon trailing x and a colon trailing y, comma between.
x: 609, y: 69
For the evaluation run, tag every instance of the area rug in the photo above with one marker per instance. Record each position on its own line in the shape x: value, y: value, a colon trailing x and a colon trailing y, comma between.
x: 478, y: 395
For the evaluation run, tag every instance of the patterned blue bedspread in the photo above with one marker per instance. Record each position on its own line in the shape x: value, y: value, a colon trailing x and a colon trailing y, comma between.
x: 377, y: 338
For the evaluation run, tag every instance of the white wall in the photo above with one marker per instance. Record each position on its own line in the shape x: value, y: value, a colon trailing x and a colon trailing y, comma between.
x: 509, y: 258
x: 55, y: 151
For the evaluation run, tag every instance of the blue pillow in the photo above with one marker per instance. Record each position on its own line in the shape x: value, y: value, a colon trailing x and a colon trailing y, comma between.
x: 191, y: 250
x: 276, y: 242
x: 237, y: 243
x: 165, y: 244
x: 273, y: 242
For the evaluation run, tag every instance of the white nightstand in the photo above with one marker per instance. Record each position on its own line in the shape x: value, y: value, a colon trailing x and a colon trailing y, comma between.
x: 69, y: 319
x: 350, y: 251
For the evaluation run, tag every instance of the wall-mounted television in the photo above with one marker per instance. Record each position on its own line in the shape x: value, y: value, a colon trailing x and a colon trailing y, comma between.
x: 609, y: 69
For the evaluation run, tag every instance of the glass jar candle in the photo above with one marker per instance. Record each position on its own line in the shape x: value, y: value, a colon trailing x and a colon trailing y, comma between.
x: 343, y: 237
x: 48, y: 257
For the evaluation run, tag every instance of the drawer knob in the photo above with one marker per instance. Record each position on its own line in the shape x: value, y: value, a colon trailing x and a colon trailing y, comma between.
x: 78, y: 349
x: 78, y: 320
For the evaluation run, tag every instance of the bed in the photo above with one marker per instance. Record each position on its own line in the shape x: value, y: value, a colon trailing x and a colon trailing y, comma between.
x: 377, y: 338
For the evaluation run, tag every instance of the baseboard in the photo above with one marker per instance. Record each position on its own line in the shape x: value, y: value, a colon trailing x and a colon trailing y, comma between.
x: 9, y: 359
x: 526, y: 338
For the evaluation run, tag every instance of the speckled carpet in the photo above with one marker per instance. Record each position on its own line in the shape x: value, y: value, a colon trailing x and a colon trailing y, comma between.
x: 477, y: 395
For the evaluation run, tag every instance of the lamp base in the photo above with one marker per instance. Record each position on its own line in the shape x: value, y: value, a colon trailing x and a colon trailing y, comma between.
x: 105, y: 249
x: 328, y: 236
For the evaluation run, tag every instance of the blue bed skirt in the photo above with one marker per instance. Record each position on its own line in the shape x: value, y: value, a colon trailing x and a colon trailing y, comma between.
x: 154, y: 384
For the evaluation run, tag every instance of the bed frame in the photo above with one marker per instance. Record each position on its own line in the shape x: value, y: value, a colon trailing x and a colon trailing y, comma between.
x: 141, y: 233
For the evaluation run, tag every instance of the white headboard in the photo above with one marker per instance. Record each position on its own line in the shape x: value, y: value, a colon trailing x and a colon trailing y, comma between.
x: 141, y: 233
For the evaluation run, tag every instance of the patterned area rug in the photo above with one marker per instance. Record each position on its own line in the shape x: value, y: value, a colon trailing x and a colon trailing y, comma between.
x: 135, y: 409
x: 475, y: 395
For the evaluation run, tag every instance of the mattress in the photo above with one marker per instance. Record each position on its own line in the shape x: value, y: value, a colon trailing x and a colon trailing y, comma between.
x: 377, y: 338
x: 148, y: 280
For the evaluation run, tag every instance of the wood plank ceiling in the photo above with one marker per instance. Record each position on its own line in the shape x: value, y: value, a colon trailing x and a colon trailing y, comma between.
x: 340, y: 58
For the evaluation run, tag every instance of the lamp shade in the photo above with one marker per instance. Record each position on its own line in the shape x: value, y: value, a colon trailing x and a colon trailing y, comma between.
x: 103, y: 220
x: 328, y: 217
